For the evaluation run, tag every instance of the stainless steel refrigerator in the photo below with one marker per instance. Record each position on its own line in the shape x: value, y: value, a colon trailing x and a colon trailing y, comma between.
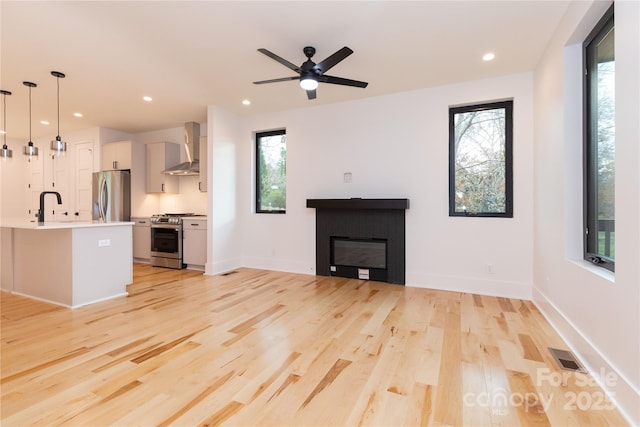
x: 112, y: 196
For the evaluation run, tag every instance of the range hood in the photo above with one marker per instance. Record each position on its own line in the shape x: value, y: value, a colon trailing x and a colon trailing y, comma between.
x: 192, y: 149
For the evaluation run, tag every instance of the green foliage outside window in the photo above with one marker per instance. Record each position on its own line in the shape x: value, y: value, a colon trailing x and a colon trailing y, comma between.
x: 599, y: 143
x: 480, y: 160
x: 271, y: 172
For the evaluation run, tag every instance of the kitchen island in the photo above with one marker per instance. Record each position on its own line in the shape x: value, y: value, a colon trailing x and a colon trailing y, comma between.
x: 67, y: 263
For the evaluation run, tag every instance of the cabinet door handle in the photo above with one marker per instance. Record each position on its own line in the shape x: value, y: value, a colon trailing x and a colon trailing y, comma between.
x: 65, y: 213
x: 115, y: 164
x: 163, y: 187
x: 76, y: 213
x: 196, y: 225
x: 200, y: 186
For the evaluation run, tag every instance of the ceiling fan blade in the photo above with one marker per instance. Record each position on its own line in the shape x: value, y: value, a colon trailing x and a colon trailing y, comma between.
x: 311, y: 94
x: 280, y: 60
x: 333, y: 59
x: 341, y: 81
x: 282, y: 79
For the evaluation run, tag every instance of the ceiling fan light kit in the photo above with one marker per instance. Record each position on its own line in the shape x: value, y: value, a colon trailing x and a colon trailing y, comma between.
x: 308, y: 81
x: 5, y: 153
x: 58, y: 145
x: 30, y: 149
x: 310, y: 73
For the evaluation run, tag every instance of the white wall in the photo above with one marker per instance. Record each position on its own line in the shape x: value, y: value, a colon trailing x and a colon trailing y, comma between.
x: 224, y: 233
x: 596, y: 311
x: 395, y: 146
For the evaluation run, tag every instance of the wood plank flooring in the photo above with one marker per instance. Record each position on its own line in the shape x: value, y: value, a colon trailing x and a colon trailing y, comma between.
x: 267, y: 348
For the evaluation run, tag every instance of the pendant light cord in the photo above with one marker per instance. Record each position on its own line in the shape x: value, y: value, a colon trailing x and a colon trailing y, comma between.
x: 30, y: 150
x: 58, y: 96
x: 30, y: 143
x: 4, y: 120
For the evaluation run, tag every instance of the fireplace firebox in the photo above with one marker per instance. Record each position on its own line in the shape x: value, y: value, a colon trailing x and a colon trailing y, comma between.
x: 361, y: 238
x: 359, y: 258
x: 364, y: 253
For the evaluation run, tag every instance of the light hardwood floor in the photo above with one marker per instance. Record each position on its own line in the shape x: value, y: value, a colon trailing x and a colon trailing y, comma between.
x: 267, y: 348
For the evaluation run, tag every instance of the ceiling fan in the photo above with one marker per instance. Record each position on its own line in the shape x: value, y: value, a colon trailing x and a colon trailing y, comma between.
x: 310, y: 73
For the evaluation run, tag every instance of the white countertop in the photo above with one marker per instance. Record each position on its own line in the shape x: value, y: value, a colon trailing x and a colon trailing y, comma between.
x: 53, y: 225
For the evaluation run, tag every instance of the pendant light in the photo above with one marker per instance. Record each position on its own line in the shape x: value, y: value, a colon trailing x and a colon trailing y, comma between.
x: 5, y: 153
x: 58, y: 145
x: 30, y: 149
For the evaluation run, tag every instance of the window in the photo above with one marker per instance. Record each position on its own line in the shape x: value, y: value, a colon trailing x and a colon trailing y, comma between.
x: 599, y: 144
x: 480, y: 160
x: 271, y: 172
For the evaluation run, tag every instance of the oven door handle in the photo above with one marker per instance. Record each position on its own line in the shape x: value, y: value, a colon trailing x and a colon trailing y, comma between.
x: 167, y: 226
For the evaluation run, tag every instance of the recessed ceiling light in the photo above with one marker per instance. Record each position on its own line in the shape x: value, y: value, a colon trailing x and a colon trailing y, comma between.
x: 147, y: 98
x: 44, y: 122
x: 77, y: 114
x: 488, y: 56
x: 246, y: 102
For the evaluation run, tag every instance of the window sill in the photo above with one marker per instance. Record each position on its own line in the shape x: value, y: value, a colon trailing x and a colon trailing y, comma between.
x: 598, y: 271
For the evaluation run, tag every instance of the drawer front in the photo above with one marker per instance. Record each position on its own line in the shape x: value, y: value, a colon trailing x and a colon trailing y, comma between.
x: 194, y: 224
x: 141, y: 222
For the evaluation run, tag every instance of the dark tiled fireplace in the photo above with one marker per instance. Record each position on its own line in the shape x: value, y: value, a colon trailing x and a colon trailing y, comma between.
x: 361, y: 238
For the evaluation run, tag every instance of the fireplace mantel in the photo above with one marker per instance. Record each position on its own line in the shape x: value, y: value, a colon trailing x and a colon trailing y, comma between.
x: 358, y: 203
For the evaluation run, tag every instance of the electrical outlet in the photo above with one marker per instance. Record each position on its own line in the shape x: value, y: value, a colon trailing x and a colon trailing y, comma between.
x: 104, y: 242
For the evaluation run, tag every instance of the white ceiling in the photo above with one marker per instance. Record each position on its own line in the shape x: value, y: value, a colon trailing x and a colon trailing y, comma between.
x: 188, y: 55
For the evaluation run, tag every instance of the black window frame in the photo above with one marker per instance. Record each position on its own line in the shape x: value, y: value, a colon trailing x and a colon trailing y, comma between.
x: 590, y: 162
x: 258, y: 187
x: 508, y: 107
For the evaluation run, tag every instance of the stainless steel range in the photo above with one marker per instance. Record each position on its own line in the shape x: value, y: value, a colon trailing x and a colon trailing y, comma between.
x: 166, y: 240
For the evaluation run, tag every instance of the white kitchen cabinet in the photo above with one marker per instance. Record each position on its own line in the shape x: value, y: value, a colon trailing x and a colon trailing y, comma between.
x: 194, y: 243
x: 116, y: 156
x: 161, y: 156
x: 202, y: 184
x: 141, y: 239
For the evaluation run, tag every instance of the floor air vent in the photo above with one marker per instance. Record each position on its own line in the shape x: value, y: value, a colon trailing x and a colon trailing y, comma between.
x: 228, y: 273
x: 566, y: 360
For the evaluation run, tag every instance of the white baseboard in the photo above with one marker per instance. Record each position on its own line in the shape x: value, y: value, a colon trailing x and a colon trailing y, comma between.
x: 622, y: 393
x: 286, y: 266
x: 219, y: 267
x: 471, y: 285
x: 124, y: 294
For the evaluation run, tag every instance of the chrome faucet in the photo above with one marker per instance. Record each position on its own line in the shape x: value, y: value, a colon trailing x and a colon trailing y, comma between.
x: 41, y: 210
